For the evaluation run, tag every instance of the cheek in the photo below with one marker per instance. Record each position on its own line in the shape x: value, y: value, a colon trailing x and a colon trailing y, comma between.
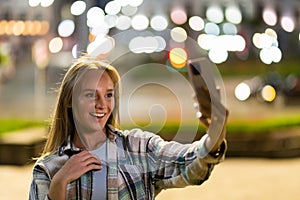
x: 79, y: 106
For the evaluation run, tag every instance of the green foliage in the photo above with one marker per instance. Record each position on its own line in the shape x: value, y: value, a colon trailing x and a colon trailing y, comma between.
x: 9, y: 125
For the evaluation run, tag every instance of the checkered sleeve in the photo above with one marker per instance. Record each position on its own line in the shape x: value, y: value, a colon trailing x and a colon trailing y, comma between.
x: 179, y: 165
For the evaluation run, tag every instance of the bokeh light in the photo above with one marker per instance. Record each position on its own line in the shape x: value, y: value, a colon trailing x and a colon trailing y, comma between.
x: 78, y: 7
x: 66, y: 28
x: 242, y: 91
x: 159, y: 23
x: 95, y: 17
x: 149, y: 44
x: 233, y: 14
x: 101, y: 46
x: 212, y: 29
x: 287, y: 23
x: 178, y: 15
x: 178, y: 34
x: 196, y: 23
x: 215, y: 14
x: 46, y: 3
x: 55, y: 45
x: 112, y: 8
x: 123, y: 22
x: 269, y: 16
x: 129, y: 10
x: 178, y: 57
x: 268, y: 93
x: 140, y: 22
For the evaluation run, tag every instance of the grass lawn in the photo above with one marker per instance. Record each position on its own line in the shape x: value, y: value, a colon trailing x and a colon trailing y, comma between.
x: 9, y: 125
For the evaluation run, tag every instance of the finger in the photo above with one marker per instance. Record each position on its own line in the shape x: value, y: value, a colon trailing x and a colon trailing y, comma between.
x: 85, y: 155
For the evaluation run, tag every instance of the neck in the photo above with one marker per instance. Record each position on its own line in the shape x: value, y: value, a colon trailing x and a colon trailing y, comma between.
x: 89, y: 141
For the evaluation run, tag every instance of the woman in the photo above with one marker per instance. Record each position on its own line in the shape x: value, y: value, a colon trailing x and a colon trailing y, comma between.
x: 87, y: 157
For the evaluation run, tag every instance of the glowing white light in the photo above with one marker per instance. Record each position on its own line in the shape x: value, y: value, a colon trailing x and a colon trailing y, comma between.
x: 34, y: 3
x: 276, y: 54
x: 270, y: 32
x: 232, y: 42
x: 265, y: 56
x: 161, y: 43
x: 159, y: 23
x: 206, y: 41
x: 140, y: 22
x: 100, y: 30
x: 135, y: 3
x: 55, y: 45
x: 242, y: 91
x: 239, y: 43
x: 46, y: 3
x: 218, y: 55
x: 112, y: 8
x: 129, y: 10
x: 178, y: 16
x: 123, y: 22
x: 66, y: 28
x: 178, y: 34
x: 135, y: 45
x: 121, y: 2
x: 215, y: 14
x: 143, y: 44
x: 212, y: 28
x: 101, y: 46
x: 147, y: 44
x: 111, y: 20
x: 95, y: 17
x: 269, y: 16
x: 287, y: 24
x: 233, y: 14
x: 262, y: 40
x: 196, y: 23
x: 74, y: 51
x: 78, y: 7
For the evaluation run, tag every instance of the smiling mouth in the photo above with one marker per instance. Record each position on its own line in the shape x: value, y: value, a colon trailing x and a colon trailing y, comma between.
x: 98, y: 115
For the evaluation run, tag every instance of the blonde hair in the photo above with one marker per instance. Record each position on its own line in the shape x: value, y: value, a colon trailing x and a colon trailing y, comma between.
x: 62, y: 123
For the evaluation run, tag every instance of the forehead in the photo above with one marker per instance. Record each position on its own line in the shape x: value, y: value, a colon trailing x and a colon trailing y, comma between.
x: 95, y: 79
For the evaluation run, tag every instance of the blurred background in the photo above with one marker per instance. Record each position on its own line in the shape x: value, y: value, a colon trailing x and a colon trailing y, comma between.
x: 253, y: 44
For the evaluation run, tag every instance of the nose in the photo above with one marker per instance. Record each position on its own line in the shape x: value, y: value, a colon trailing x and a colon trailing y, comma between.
x: 100, y: 103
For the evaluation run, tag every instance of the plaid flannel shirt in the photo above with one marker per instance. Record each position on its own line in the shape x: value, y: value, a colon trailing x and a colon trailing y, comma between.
x: 140, y: 164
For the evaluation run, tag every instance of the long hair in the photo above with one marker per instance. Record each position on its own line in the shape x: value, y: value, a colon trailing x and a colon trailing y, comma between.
x: 62, y: 123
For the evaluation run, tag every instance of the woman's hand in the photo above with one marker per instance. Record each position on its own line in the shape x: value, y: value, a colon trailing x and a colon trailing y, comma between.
x: 75, y: 167
x: 216, y: 123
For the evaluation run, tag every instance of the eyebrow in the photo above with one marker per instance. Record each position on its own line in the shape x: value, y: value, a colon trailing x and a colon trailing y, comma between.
x: 93, y: 90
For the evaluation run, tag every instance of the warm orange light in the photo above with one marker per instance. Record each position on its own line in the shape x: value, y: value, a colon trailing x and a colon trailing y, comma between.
x: 45, y: 26
x: 18, y: 28
x: 3, y: 25
x: 9, y: 28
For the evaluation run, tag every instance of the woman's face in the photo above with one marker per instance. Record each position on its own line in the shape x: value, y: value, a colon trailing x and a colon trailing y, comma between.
x: 93, y: 101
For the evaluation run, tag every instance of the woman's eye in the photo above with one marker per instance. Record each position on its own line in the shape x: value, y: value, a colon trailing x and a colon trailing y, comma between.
x: 109, y: 95
x: 90, y: 95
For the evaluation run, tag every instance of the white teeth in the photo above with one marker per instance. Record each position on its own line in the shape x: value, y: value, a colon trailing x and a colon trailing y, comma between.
x: 98, y: 114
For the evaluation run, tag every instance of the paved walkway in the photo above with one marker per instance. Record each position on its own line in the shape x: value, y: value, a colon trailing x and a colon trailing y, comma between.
x: 235, y: 179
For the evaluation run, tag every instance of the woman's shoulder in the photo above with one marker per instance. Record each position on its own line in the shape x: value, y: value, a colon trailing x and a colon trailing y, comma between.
x: 50, y: 163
